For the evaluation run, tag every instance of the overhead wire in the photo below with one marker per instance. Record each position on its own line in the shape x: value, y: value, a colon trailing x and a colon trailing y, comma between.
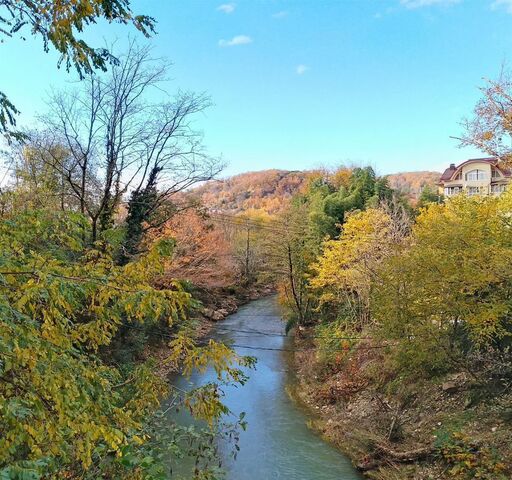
x: 234, y: 344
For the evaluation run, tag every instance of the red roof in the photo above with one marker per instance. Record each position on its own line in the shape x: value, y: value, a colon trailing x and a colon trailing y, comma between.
x: 448, y: 173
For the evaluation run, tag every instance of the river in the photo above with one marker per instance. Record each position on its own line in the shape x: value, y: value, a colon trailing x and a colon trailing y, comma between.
x: 277, y: 444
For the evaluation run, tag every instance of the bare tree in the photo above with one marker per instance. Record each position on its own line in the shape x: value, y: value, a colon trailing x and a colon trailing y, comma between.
x: 490, y: 127
x: 126, y: 134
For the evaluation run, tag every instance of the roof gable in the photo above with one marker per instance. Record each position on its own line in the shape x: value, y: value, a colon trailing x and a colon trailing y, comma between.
x: 451, y: 172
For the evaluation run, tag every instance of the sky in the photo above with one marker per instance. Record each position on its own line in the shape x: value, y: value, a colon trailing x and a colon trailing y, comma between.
x: 307, y: 83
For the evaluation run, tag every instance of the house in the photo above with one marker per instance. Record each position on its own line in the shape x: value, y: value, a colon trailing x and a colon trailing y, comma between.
x: 477, y: 176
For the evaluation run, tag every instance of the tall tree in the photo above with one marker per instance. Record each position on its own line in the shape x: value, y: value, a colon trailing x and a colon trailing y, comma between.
x: 449, y: 291
x: 124, y: 133
x: 292, y: 248
x: 428, y: 195
x: 344, y: 273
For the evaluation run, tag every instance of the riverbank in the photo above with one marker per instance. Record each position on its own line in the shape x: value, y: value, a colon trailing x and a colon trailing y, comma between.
x: 394, y: 429
x: 214, y: 306
x: 218, y: 303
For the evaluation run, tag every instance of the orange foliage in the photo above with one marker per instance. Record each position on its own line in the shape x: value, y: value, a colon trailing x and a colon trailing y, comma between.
x: 411, y: 183
x: 341, y: 177
x: 268, y: 191
x: 203, y: 254
x: 271, y: 190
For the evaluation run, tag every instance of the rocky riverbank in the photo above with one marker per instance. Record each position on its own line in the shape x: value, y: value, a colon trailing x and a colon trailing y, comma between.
x: 215, y: 306
x: 418, y: 430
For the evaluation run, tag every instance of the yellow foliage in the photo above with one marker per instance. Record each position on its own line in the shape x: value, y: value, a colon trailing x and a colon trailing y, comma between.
x: 61, y: 407
x: 347, y: 263
x: 454, y: 275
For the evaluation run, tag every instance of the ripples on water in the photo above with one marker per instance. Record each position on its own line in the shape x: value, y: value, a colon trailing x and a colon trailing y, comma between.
x: 277, y: 443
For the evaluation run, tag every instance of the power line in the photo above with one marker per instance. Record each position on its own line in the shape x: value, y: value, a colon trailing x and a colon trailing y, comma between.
x: 356, y: 348
x: 275, y: 334
x: 277, y: 227
x: 281, y: 349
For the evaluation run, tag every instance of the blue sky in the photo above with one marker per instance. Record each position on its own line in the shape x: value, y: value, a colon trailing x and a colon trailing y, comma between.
x: 304, y: 83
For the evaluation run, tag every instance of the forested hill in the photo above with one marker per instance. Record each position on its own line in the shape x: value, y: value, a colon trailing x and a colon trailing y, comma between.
x: 411, y: 183
x: 269, y: 190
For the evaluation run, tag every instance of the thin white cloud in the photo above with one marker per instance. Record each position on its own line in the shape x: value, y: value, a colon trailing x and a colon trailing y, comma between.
x: 301, y: 69
x: 227, y: 7
x: 236, y: 40
x: 498, y: 4
x: 412, y: 4
x: 281, y: 14
x: 382, y: 14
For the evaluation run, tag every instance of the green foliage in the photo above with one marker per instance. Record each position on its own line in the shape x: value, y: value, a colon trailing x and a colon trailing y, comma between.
x: 450, y: 289
x: 428, y: 195
x: 437, y: 295
x: 58, y: 24
x: 8, y: 113
x: 292, y: 252
x: 342, y: 276
x: 141, y: 205
x: 314, y: 219
x: 331, y: 340
x: 64, y: 412
x: 329, y: 203
x: 467, y: 460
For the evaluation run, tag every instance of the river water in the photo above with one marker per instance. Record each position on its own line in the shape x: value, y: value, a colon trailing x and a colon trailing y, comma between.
x: 277, y: 444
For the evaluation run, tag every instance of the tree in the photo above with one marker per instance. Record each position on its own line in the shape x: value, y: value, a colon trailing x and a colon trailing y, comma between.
x: 58, y: 24
x: 120, y: 139
x: 448, y: 291
x: 344, y: 274
x: 34, y: 183
x: 315, y: 216
x: 203, y: 253
x: 332, y: 196
x: 292, y: 248
x: 66, y: 411
x: 428, y: 195
x: 490, y: 127
x: 249, y: 245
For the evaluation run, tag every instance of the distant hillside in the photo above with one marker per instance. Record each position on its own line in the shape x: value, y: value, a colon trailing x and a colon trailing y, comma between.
x: 270, y: 190
x: 411, y: 183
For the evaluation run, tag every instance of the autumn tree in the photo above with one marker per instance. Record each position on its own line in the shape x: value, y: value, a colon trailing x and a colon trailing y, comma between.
x: 292, y: 248
x: 345, y: 272
x: 121, y: 141
x: 65, y: 410
x: 60, y: 25
x: 248, y: 238
x: 203, y: 253
x: 448, y: 292
x: 489, y: 129
x: 332, y: 196
x: 34, y: 183
x: 315, y: 216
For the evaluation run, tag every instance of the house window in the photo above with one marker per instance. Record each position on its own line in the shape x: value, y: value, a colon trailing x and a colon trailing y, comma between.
x: 476, y: 175
x: 495, y: 173
x: 449, y: 191
x: 497, y: 189
x: 471, y: 191
x: 459, y: 176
